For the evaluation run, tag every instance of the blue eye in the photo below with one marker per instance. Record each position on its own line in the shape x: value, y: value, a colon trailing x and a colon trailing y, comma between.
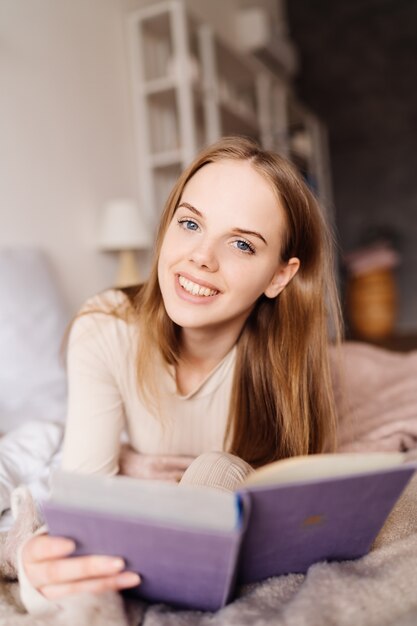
x: 245, y: 246
x: 188, y: 224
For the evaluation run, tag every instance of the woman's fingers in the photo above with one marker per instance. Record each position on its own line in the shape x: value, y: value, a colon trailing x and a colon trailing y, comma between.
x: 124, y: 580
x: 44, y: 547
x: 60, y: 571
x: 55, y: 576
x: 152, y: 466
x: 171, y: 477
x: 176, y: 462
x: 158, y: 466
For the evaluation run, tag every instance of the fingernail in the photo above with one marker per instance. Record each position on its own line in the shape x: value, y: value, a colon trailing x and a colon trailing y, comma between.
x: 117, y: 564
x: 66, y: 545
x: 128, y: 579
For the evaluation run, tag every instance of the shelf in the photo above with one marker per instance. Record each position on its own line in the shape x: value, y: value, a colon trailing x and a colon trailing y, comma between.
x: 157, y: 45
x: 164, y: 180
x: 163, y: 121
x: 236, y: 93
x: 159, y: 86
x: 199, y: 121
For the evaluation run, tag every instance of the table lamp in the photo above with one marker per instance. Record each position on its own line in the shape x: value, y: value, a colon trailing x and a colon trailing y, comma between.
x: 123, y: 229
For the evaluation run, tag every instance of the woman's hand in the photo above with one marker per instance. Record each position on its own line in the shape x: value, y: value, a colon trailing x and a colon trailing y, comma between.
x: 50, y: 570
x: 168, y: 467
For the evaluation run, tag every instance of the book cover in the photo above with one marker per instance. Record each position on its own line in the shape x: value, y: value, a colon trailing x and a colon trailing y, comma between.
x: 293, y: 526
x: 186, y: 567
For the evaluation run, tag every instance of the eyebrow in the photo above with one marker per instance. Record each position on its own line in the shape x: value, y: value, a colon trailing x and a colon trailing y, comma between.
x: 242, y: 231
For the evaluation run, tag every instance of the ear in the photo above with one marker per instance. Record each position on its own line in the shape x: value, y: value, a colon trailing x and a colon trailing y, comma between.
x: 282, y: 277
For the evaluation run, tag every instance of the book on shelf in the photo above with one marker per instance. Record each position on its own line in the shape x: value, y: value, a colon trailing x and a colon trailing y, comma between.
x: 194, y: 546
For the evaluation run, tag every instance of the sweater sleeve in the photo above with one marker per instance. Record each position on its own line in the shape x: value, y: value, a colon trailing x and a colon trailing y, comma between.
x: 34, y: 602
x: 95, y: 417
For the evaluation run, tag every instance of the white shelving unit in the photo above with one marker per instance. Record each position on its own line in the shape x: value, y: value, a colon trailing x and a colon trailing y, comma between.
x: 165, y: 74
x: 190, y: 88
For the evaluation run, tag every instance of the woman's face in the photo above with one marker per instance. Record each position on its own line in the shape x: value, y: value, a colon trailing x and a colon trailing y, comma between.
x: 221, y: 251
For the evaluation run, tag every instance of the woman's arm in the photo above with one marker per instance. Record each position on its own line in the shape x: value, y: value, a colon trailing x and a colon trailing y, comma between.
x: 95, y: 415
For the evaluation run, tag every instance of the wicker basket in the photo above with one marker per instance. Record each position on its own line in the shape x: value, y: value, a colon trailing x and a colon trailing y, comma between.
x: 372, y: 304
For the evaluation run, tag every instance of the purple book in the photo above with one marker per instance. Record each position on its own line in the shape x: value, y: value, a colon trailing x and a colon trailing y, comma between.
x: 192, y: 546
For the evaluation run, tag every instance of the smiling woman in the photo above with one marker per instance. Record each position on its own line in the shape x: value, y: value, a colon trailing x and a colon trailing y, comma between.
x: 224, y: 348
x: 241, y: 223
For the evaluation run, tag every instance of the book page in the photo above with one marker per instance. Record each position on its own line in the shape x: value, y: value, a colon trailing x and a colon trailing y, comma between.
x: 316, y: 466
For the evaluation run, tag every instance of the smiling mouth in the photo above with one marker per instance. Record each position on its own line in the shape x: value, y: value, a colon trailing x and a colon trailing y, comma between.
x: 195, y: 289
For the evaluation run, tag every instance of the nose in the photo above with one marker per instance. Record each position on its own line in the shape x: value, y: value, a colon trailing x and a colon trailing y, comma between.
x: 204, y: 256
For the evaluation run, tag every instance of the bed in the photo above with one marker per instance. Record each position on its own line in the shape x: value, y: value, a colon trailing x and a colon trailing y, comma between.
x: 377, y: 412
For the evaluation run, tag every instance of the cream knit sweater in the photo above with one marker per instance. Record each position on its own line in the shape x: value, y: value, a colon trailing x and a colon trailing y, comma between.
x: 104, y: 400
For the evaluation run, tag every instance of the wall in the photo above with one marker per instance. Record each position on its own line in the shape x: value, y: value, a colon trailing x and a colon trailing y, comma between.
x: 65, y: 126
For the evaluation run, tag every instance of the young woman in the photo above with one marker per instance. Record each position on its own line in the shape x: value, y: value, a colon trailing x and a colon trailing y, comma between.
x: 224, y: 349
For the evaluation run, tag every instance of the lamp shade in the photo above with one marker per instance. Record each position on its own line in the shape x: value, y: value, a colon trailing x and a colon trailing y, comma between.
x: 122, y: 227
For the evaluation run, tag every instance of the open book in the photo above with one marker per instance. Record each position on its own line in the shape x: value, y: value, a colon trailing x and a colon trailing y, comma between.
x: 192, y: 546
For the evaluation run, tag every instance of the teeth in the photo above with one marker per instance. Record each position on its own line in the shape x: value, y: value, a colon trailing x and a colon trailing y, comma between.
x: 194, y: 289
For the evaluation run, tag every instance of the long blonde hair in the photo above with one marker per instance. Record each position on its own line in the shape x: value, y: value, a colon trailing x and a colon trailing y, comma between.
x: 282, y: 401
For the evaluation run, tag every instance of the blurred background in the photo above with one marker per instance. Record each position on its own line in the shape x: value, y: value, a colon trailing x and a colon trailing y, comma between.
x: 103, y: 102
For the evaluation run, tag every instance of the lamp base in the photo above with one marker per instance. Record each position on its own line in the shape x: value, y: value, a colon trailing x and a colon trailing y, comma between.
x: 128, y: 273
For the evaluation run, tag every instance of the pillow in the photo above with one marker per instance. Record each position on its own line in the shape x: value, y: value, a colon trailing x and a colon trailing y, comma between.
x: 33, y: 319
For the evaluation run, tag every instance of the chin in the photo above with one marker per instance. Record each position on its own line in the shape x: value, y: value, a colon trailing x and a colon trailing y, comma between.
x: 186, y: 320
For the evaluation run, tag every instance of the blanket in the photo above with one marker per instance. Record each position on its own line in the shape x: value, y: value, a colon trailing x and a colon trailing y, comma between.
x: 376, y: 398
x: 378, y: 411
